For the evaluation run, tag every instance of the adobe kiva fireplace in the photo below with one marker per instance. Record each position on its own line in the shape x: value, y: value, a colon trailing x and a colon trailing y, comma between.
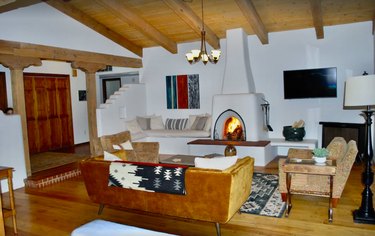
x: 239, y: 112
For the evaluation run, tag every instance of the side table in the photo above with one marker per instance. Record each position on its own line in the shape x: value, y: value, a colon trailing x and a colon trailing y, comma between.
x: 309, y: 167
x: 7, y: 173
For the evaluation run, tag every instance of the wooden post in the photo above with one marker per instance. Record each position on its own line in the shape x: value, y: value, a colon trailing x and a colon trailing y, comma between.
x: 90, y: 69
x: 16, y: 64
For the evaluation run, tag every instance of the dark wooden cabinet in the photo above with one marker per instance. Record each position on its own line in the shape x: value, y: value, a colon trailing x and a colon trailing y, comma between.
x: 349, y: 131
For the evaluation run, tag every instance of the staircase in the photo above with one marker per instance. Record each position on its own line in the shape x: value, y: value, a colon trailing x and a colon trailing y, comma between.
x: 125, y: 104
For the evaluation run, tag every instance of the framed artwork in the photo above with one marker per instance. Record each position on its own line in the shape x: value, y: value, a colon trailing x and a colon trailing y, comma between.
x: 182, y: 91
x: 82, y: 95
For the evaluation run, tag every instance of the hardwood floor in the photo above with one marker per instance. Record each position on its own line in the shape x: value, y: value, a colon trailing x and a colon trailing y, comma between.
x: 60, y: 208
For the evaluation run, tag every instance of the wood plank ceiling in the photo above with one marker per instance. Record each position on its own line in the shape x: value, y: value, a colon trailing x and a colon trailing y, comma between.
x: 138, y: 24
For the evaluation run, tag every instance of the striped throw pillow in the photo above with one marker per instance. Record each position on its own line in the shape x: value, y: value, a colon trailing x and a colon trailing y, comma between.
x: 175, y: 123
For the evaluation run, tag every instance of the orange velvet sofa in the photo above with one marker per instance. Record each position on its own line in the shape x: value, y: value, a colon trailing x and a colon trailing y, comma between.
x: 211, y: 195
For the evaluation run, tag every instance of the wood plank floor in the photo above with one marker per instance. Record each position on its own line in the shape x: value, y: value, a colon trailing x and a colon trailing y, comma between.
x: 58, y: 209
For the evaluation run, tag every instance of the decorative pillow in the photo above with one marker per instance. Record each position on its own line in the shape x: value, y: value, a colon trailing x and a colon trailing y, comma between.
x: 144, y: 122
x: 178, y: 124
x: 133, y: 126
x: 217, y: 163
x: 191, y: 120
x: 199, y: 123
x: 115, y: 156
x: 157, y: 122
x: 207, y: 126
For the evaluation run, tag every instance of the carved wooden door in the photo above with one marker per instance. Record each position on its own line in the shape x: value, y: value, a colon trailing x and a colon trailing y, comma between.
x: 48, y: 111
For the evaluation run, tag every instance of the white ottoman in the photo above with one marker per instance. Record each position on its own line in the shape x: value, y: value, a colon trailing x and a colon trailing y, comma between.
x: 107, y: 228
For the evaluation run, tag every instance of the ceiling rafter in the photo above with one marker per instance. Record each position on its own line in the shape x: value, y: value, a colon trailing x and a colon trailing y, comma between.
x: 316, y: 10
x: 252, y: 17
x: 193, y: 20
x: 124, y: 13
x: 65, y: 54
x: 9, y: 5
x: 80, y: 16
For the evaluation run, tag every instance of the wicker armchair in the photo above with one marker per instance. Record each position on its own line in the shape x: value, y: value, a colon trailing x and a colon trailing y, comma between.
x: 142, y: 151
x: 344, y: 154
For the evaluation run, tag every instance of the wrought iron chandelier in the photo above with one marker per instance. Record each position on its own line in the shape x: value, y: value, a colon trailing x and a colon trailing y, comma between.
x: 196, y: 55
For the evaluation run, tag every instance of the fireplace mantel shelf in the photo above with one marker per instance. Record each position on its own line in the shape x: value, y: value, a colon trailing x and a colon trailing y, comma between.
x: 227, y: 142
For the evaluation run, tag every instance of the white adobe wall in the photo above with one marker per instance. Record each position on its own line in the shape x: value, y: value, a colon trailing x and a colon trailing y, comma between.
x: 11, y: 149
x: 349, y: 47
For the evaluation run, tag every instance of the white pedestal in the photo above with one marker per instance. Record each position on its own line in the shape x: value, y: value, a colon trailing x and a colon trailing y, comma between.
x: 281, y: 146
x: 261, y: 155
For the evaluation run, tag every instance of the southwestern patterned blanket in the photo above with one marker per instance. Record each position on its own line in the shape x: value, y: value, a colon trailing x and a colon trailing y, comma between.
x: 148, y: 177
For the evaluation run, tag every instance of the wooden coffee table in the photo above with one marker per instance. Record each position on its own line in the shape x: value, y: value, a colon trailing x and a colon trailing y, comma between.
x: 309, y: 167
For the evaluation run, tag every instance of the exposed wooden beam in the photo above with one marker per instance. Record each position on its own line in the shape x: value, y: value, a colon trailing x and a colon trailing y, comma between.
x: 8, y: 5
x: 316, y: 10
x: 80, y: 16
x: 193, y: 20
x: 63, y: 54
x: 252, y: 17
x: 124, y: 13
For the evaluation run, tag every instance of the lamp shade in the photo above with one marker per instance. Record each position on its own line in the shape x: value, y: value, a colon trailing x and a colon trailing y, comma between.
x: 360, y: 91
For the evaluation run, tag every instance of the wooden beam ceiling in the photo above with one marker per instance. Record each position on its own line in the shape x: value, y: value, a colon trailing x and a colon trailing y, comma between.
x: 85, y: 19
x: 124, y: 13
x: 316, y: 10
x: 63, y: 54
x: 252, y: 17
x: 136, y: 24
x: 193, y: 20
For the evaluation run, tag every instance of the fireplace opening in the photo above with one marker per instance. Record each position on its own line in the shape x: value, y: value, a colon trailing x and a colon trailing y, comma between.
x: 233, y: 129
x: 229, y: 126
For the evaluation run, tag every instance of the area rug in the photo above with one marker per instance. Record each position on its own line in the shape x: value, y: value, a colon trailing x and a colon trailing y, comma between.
x: 48, y: 160
x: 265, y: 198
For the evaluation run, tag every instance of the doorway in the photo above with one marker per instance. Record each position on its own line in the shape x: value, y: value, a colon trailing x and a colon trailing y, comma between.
x: 110, y: 86
x: 48, y: 112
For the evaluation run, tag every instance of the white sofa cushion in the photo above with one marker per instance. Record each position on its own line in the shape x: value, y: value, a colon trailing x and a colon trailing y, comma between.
x: 217, y: 163
x: 176, y: 133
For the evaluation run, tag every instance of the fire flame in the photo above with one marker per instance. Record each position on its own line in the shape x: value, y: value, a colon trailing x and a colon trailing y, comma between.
x: 233, y: 124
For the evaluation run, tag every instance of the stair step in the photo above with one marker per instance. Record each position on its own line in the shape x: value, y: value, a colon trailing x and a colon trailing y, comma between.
x: 52, y: 176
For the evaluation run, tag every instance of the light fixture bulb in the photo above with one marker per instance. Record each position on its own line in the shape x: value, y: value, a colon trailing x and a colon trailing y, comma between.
x: 195, y: 53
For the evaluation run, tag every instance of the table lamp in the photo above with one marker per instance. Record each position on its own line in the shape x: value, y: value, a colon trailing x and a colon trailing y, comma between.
x: 359, y: 93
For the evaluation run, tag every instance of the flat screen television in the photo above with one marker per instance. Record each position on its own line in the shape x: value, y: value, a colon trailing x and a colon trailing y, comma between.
x: 310, y: 83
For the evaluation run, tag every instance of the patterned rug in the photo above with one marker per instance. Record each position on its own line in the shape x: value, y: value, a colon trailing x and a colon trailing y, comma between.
x: 265, y: 198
